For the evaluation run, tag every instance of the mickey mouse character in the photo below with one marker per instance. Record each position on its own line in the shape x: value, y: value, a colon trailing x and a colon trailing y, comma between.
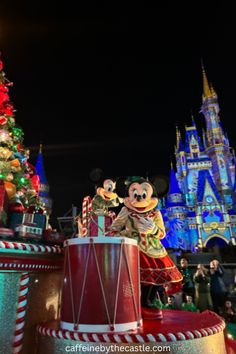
x: 96, y: 216
x: 106, y: 196
x: 139, y: 219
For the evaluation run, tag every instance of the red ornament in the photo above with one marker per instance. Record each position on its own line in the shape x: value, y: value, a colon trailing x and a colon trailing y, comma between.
x: 1, y: 65
x: 3, y: 97
x: 36, y: 182
x: 30, y: 168
x: 8, y: 110
x: 31, y: 209
x: 3, y: 88
x: 3, y: 120
x: 16, y: 208
x: 9, y: 83
x: 40, y: 211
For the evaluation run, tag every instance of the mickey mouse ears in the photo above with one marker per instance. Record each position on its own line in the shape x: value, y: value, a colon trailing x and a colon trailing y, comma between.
x: 96, y: 175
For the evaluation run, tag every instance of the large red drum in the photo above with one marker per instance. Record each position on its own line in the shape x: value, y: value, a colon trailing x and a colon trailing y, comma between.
x: 101, y: 290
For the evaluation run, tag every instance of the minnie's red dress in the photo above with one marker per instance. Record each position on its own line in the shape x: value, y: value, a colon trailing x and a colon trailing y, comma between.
x: 156, y: 267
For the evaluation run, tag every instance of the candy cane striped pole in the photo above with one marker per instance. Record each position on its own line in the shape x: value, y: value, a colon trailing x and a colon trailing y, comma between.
x: 20, y: 313
x: 86, y: 210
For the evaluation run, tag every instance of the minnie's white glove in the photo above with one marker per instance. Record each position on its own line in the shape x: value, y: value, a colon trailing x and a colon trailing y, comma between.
x: 146, y: 225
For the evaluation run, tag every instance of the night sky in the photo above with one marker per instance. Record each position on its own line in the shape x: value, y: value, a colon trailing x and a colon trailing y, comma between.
x: 105, y: 87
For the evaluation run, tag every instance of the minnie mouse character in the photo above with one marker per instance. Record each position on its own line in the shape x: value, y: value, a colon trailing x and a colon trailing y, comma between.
x: 139, y: 219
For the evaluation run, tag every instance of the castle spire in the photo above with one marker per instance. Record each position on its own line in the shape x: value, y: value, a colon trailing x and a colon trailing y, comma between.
x: 44, y: 187
x: 193, y: 120
x: 177, y: 130
x: 216, y: 142
x: 178, y: 138
x: 179, y: 142
x: 40, y: 166
x: 212, y: 90
x: 207, y: 93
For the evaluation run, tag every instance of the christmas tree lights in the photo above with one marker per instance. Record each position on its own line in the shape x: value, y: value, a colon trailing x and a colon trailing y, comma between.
x: 16, y: 173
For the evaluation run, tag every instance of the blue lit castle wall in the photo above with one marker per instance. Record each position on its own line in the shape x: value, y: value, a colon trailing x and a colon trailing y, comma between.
x: 200, y: 208
x: 44, y: 186
x: 175, y: 217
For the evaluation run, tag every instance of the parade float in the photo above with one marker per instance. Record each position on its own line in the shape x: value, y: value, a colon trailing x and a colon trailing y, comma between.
x: 86, y: 297
x: 101, y: 309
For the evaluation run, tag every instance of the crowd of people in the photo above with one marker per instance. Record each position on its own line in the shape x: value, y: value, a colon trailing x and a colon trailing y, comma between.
x: 202, y: 289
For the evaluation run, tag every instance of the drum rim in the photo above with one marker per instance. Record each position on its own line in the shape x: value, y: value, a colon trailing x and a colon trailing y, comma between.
x: 100, y: 239
x: 101, y: 328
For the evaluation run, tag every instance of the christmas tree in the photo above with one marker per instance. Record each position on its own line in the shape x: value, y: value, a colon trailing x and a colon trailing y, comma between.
x: 17, y: 175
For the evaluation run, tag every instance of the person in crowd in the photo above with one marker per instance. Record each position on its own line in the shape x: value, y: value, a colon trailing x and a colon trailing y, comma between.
x: 187, y: 282
x: 170, y: 305
x: 202, y: 280
x: 217, y: 286
x: 228, y: 312
x: 189, y: 305
x: 178, y: 300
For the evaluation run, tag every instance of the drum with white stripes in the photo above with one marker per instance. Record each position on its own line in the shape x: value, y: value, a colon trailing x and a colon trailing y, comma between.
x: 101, y: 290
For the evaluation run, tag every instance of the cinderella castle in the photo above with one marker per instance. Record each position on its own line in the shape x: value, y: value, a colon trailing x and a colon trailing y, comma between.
x: 200, y: 208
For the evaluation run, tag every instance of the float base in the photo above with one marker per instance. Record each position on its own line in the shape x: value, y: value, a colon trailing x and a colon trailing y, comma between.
x: 179, y: 332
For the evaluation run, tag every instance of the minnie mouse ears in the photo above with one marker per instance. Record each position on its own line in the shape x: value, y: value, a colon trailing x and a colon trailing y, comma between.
x: 121, y: 186
x: 159, y: 183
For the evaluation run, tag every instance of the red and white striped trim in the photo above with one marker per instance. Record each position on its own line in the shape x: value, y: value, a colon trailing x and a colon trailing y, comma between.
x: 28, y: 266
x: 29, y: 247
x: 6, y: 232
x: 86, y: 210
x: 130, y: 337
x: 20, y: 313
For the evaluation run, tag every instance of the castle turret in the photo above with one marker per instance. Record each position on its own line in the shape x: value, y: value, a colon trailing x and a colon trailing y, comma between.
x: 180, y: 156
x: 175, y: 196
x: 189, y: 160
x: 176, y: 221
x: 193, y: 144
